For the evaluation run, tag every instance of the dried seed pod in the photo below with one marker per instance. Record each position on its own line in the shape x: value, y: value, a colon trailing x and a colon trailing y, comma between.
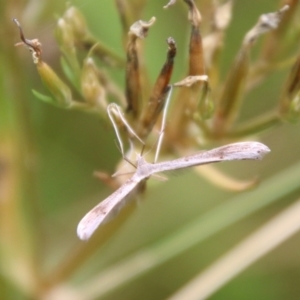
x: 188, y: 98
x: 275, y: 43
x: 77, y: 23
x: 60, y: 91
x: 92, y: 90
x: 66, y: 41
x: 228, y: 104
x: 290, y: 100
x: 196, y: 57
x: 72, y: 29
x: 64, y: 35
x: 265, y: 23
x: 204, y: 102
x: 190, y: 80
x: 133, y: 86
x: 157, y: 98
x: 229, y: 101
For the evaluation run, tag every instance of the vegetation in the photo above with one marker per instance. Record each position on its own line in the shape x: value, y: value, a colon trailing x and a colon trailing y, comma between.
x: 219, y: 232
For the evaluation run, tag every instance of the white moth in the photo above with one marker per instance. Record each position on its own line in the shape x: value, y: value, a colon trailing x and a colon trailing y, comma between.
x: 106, y: 209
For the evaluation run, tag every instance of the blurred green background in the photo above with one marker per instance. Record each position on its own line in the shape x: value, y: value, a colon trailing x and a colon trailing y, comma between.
x: 48, y: 156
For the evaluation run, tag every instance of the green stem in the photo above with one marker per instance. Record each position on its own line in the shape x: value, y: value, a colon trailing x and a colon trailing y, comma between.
x: 255, y: 126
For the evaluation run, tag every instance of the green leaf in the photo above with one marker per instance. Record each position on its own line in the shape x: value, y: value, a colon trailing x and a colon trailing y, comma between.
x: 44, y: 98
